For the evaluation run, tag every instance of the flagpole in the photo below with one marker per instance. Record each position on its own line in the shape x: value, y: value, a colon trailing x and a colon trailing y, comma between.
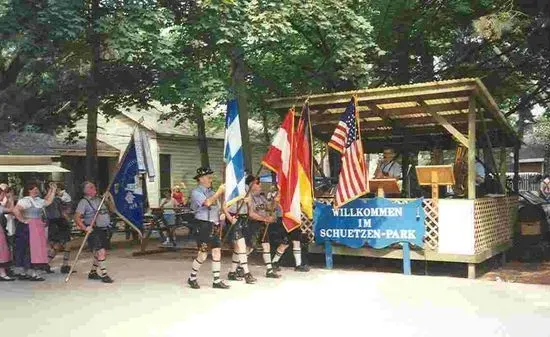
x: 355, y: 103
x: 310, y: 150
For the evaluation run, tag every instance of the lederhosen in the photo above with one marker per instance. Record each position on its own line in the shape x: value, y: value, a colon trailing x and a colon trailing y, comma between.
x: 259, y: 227
x: 240, y: 229
x: 208, y: 232
x: 59, y: 230
x: 99, y: 237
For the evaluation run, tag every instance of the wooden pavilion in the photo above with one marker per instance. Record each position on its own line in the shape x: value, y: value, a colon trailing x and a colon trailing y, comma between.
x: 427, y: 116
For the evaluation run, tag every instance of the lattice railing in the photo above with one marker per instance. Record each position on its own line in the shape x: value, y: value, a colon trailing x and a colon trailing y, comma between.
x: 431, y: 223
x: 493, y: 221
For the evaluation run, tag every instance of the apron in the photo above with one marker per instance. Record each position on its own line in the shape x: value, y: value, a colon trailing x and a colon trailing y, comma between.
x: 5, y: 255
x: 38, y: 235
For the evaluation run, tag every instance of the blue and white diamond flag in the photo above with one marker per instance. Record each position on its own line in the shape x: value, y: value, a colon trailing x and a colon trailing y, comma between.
x: 233, y: 156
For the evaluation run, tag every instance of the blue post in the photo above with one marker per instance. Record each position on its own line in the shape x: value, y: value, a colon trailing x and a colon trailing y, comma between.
x: 406, y: 258
x: 328, y: 254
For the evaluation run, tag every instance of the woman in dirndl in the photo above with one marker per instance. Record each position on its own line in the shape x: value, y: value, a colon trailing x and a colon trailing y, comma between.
x: 31, y: 235
x: 5, y: 253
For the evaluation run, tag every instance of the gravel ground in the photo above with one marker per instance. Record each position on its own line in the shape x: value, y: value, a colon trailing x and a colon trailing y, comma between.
x: 149, y: 298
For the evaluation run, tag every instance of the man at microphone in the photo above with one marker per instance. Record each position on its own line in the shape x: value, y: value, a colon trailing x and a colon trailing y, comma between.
x: 388, y: 167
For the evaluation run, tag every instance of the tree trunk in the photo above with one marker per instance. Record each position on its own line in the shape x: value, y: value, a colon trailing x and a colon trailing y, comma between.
x: 546, y: 168
x: 267, y: 137
x: 239, y: 87
x: 93, y: 98
x: 202, y: 140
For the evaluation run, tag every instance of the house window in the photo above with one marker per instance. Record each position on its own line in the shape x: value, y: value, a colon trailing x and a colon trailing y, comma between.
x: 165, y: 172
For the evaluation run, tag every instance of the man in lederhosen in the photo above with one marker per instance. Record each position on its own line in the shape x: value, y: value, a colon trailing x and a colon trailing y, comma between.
x: 204, y: 202
x: 98, y: 240
x: 59, y: 230
x: 237, y: 216
x: 261, y: 212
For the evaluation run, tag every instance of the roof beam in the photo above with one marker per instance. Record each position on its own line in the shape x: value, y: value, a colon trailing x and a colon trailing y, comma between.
x: 444, y: 123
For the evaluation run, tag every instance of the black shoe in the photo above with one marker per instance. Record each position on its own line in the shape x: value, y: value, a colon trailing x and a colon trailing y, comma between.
x: 66, y: 270
x: 302, y: 268
x: 106, y: 279
x: 49, y: 270
x: 240, y: 272
x: 193, y: 284
x: 23, y: 277
x: 272, y: 274
x: 36, y: 278
x: 249, y: 279
x: 93, y: 275
x: 6, y: 278
x: 220, y: 285
x: 276, y: 267
x: 232, y: 276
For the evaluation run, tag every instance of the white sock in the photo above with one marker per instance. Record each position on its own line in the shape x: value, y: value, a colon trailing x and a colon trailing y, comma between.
x: 197, y: 263
x: 297, y: 251
x: 234, y: 262
x: 278, y: 256
x: 243, y: 259
x: 267, y: 256
x: 216, y: 266
x: 102, y: 267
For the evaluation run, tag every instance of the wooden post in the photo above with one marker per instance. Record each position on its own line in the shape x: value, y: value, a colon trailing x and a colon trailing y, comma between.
x: 328, y: 254
x: 472, y: 149
x: 516, y: 168
x: 435, y: 186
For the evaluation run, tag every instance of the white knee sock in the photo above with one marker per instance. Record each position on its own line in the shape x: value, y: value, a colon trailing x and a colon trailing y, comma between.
x: 197, y: 263
x: 234, y: 262
x: 216, y: 266
x: 243, y: 259
x: 267, y: 256
x: 297, y: 251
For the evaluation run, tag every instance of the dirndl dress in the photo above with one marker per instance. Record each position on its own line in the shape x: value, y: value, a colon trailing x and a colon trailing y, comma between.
x: 31, y: 240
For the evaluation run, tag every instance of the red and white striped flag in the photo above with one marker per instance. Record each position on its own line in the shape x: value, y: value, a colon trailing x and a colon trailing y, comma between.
x: 281, y: 159
x: 352, y: 181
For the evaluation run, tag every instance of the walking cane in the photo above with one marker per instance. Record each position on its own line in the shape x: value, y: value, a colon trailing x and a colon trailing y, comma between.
x: 86, y: 237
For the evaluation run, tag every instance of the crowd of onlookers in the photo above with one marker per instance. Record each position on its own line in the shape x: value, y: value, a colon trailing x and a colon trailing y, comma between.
x: 36, y: 224
x: 34, y: 228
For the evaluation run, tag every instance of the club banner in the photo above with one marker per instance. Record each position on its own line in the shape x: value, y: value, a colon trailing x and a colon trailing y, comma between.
x: 127, y: 188
x: 378, y: 222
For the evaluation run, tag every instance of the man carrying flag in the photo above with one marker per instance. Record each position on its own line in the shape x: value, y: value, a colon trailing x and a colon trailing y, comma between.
x: 125, y: 196
x: 281, y: 159
x: 352, y: 180
x: 235, y: 208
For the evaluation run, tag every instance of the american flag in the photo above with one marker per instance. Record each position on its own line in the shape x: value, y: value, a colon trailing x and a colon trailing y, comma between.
x: 352, y: 181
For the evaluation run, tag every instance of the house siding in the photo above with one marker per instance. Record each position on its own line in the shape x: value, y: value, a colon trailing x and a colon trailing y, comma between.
x: 184, y: 152
x: 185, y: 159
x: 117, y: 132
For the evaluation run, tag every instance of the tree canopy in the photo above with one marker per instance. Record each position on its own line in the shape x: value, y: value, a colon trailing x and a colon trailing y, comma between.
x: 61, y: 59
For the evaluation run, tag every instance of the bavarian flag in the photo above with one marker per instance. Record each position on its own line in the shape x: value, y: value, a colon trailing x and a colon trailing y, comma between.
x: 302, y: 150
x: 233, y: 155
